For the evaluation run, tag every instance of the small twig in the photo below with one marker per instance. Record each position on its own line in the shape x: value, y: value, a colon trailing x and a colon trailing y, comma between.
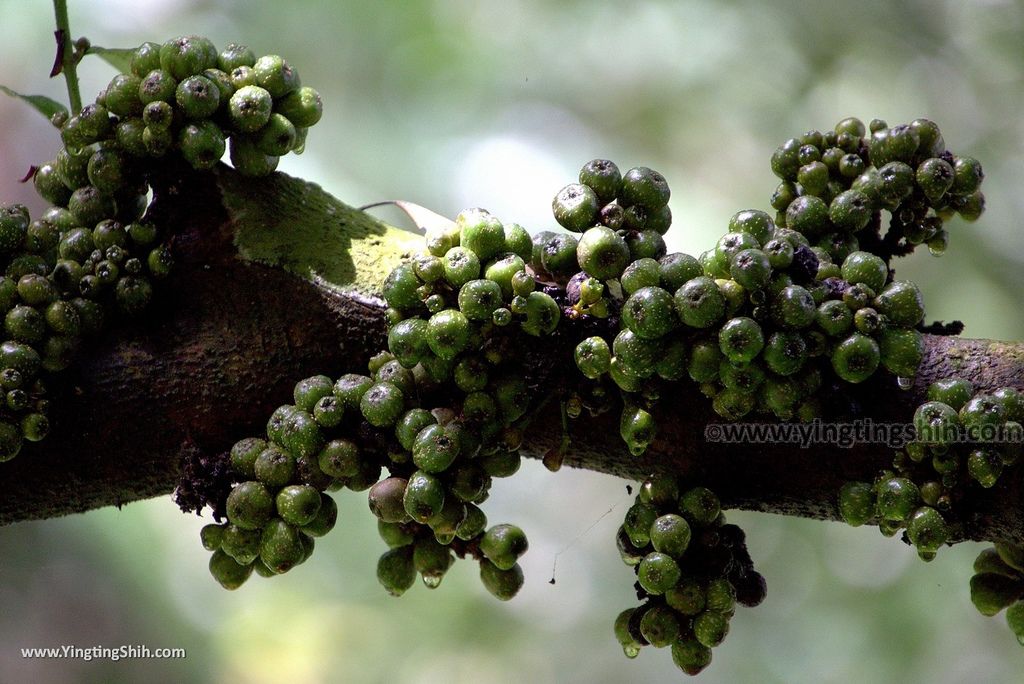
x: 66, y: 62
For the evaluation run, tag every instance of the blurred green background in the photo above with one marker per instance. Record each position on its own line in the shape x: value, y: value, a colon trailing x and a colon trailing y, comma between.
x: 453, y: 104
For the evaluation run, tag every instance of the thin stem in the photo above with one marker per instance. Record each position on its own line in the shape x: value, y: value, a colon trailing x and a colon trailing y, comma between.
x: 69, y: 65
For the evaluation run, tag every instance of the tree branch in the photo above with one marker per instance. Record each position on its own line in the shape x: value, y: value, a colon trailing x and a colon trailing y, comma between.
x: 787, y: 479
x: 275, y: 282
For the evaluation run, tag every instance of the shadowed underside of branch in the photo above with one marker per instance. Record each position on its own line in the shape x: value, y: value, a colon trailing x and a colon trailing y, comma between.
x: 275, y: 282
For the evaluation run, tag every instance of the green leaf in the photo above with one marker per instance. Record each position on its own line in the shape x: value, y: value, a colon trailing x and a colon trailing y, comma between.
x: 119, y: 58
x: 40, y: 103
x: 425, y: 219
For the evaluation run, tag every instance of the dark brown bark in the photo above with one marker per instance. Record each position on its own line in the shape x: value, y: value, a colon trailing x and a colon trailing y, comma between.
x: 229, y: 336
x: 804, y: 481
x: 207, y: 364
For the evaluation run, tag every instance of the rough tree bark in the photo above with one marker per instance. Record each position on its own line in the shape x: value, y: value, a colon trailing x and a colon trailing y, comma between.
x: 275, y: 281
